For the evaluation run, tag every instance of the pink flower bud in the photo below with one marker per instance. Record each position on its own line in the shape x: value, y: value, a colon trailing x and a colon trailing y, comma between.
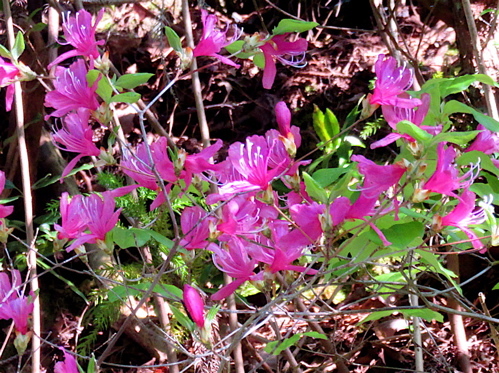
x: 194, y: 305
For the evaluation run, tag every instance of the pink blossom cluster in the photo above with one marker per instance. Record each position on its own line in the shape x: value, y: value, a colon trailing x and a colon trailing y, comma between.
x: 254, y: 241
x: 73, y: 98
x: 272, y: 47
x: 390, y: 92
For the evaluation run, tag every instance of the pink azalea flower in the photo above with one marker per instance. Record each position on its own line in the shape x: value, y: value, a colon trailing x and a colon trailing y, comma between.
x: 465, y: 214
x: 486, y: 141
x: 445, y: 180
x: 278, y: 47
x: 73, y: 221
x: 288, y: 132
x: 306, y: 217
x: 213, y: 40
x: 71, y: 91
x: 196, y: 164
x: 4, y: 210
x: 14, y: 305
x: 377, y: 179
x: 195, y: 224
x: 391, y: 82
x: 194, y: 305
x: 236, y: 262
x: 280, y: 252
x: 80, y: 33
x: 8, y: 73
x: 99, y: 217
x: 138, y: 166
x: 243, y: 215
x: 76, y: 136
x: 69, y: 364
x: 250, y: 161
x: 416, y: 115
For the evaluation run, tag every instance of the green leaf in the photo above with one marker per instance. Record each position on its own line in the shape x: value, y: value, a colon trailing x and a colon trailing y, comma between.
x: 131, y: 81
x: 417, y: 133
x: 496, y: 286
x: 38, y: 27
x: 169, y: 291
x: 432, y: 260
x: 319, y: 123
x: 68, y: 283
x: 173, y: 39
x: 313, y: 334
x: 5, y: 53
x: 127, y: 97
x: 476, y: 156
x: 402, y: 235
x: 104, y: 88
x: 92, y: 364
x: 18, y: 47
x: 276, y: 347
x: 235, y: 47
x: 459, y: 138
x: 84, y: 167
x: 161, y: 239
x: 327, y: 176
x: 182, y: 319
x: 424, y: 313
x: 453, y: 106
x: 314, y: 189
x: 455, y: 85
x: 259, y: 60
x: 212, y: 313
x: 293, y: 25
x: 122, y: 237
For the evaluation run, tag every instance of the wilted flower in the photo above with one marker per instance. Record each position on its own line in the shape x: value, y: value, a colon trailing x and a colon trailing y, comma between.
x: 194, y: 305
x: 80, y: 33
x: 391, y: 82
x: 71, y: 91
x: 213, y: 40
x: 76, y: 136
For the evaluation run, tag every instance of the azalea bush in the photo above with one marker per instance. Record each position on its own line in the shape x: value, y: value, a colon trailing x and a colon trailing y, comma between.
x: 260, y: 220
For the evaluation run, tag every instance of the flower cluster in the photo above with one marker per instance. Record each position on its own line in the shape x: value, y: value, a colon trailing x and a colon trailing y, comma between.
x: 271, y: 47
x: 74, y: 99
x: 392, y: 82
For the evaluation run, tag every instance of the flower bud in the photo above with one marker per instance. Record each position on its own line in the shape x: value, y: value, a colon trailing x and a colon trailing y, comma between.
x: 194, y: 305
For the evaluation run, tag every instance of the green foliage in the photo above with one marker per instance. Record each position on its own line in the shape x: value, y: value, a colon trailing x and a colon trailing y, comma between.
x: 293, y: 25
x: 100, y: 317
x: 371, y: 127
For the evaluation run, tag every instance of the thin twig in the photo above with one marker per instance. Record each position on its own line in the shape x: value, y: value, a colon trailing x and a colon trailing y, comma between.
x: 28, y: 200
x: 490, y: 99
